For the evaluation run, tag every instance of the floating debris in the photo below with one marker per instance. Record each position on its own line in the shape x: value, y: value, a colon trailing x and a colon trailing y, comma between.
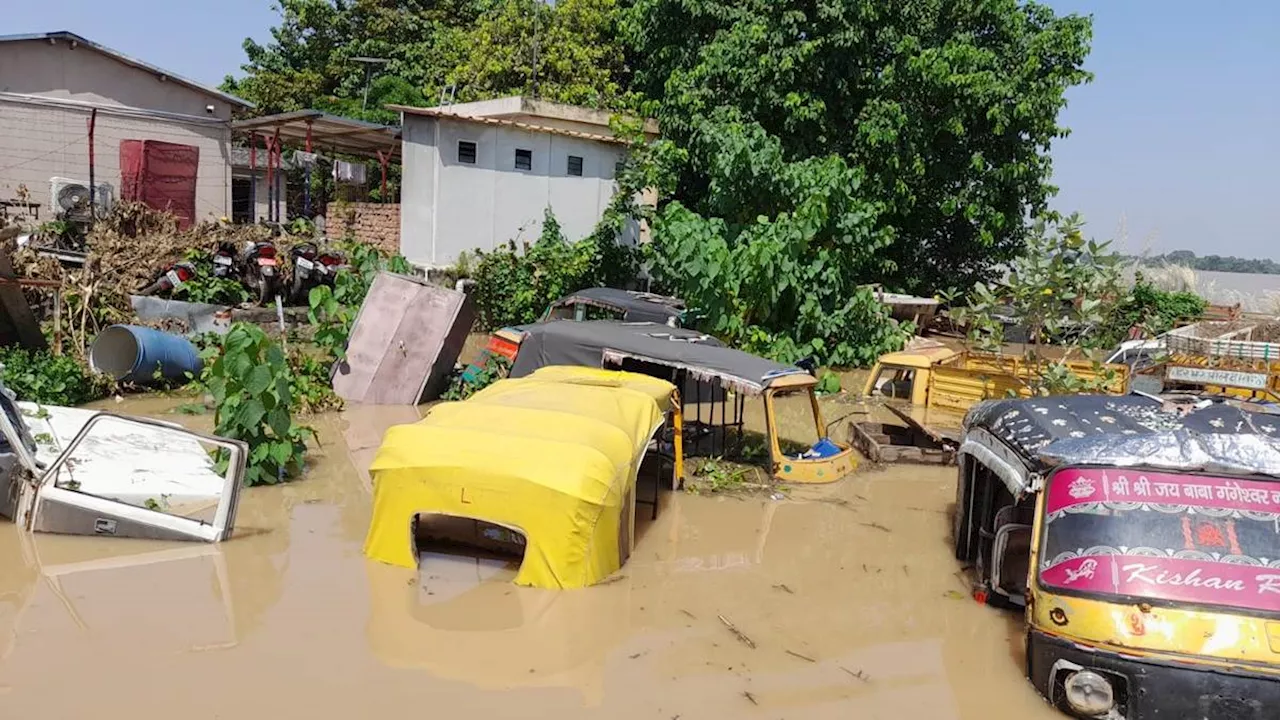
x: 806, y: 658
x: 738, y: 633
x: 859, y: 675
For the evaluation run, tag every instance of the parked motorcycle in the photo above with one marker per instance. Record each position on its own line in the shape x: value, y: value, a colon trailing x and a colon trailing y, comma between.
x: 224, y: 261
x: 305, y: 257
x: 170, y: 279
x: 258, y: 270
x: 332, y: 262
x: 313, y: 267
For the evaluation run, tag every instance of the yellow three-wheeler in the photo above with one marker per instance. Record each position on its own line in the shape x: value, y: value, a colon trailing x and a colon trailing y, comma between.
x: 545, y: 466
x: 1142, y: 537
x: 707, y: 373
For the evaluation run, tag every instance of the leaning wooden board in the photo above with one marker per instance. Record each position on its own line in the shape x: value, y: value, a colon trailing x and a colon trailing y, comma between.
x: 404, y: 342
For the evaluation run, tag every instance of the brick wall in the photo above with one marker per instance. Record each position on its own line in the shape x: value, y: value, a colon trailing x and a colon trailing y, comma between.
x: 374, y: 223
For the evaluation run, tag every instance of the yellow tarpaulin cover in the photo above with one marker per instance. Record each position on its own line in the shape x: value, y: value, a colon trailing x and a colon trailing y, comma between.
x: 553, y: 458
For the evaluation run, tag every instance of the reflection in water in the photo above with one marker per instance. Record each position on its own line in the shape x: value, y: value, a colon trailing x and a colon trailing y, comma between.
x: 846, y: 591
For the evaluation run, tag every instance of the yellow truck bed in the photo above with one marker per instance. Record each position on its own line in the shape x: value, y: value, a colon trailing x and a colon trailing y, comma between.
x: 941, y: 377
x: 973, y: 377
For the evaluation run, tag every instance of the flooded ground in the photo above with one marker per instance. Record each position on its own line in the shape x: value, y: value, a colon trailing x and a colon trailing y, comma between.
x: 848, y: 595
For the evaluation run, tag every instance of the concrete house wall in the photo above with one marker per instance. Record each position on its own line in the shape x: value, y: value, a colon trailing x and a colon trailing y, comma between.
x: 47, y: 90
x: 449, y: 207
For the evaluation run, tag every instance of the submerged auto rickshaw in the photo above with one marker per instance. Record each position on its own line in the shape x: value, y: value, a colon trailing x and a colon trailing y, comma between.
x: 1142, y: 536
x: 545, y: 465
x: 625, y: 305
x: 706, y: 373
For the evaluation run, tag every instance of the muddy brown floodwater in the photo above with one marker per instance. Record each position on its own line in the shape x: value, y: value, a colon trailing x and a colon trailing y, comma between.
x: 849, y: 594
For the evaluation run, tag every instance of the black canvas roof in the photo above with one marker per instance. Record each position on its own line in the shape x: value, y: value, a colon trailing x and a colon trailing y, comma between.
x: 565, y: 342
x: 636, y: 306
x: 1131, y: 430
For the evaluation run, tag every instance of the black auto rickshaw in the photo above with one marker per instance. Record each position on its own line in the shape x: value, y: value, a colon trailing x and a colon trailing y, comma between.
x: 1142, y: 538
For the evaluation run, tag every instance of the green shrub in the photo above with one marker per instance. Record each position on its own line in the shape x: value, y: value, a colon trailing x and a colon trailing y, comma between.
x: 1063, y: 289
x: 1156, y: 311
x: 39, y: 376
x: 460, y: 387
x: 206, y: 287
x: 515, y: 285
x: 310, y: 383
x: 251, y: 384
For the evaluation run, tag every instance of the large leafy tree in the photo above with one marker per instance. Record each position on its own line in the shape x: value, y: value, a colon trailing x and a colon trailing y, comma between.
x: 568, y: 52
x: 941, y: 111
x: 310, y: 61
x: 464, y: 49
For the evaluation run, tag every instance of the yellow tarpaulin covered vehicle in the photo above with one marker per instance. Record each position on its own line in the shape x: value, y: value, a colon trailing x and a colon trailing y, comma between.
x: 552, y: 458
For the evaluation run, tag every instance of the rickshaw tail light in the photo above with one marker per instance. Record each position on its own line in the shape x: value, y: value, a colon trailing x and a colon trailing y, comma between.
x: 1089, y: 693
x: 980, y: 596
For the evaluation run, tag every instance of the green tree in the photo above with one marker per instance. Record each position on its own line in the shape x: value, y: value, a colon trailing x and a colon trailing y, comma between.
x: 565, y: 52
x: 1064, y: 290
x: 472, y: 49
x: 310, y: 60
x: 783, y: 282
x: 942, y: 111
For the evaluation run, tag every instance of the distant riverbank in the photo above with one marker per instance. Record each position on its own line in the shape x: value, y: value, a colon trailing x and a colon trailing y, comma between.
x: 1256, y: 292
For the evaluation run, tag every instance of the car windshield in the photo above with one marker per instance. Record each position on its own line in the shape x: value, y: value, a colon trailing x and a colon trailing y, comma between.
x: 1200, y: 540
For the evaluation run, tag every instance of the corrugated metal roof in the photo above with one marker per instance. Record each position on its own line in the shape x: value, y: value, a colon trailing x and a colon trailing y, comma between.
x: 329, y: 133
x: 130, y: 61
x: 447, y: 115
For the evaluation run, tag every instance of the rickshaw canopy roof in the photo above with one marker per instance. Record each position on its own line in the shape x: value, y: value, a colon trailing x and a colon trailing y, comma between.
x: 636, y: 306
x: 1025, y: 439
x: 553, y: 457
x: 565, y: 342
x: 660, y: 390
x: 922, y: 358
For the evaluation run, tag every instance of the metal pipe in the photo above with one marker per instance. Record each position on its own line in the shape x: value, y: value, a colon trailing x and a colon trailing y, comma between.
x: 253, y: 177
x: 306, y: 188
x: 279, y: 173
x: 271, y: 179
x: 93, y: 190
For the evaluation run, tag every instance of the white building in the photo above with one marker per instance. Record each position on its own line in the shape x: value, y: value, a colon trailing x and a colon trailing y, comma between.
x: 476, y: 175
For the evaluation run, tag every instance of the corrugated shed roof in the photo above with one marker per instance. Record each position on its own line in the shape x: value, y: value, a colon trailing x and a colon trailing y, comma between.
x: 328, y: 132
x: 447, y: 115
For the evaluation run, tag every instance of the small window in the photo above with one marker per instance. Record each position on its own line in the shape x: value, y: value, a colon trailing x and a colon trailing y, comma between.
x: 894, y: 382
x: 466, y: 152
x: 575, y: 166
x: 524, y: 159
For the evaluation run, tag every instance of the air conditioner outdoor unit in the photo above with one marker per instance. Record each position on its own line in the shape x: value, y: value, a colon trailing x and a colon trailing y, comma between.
x: 71, y: 197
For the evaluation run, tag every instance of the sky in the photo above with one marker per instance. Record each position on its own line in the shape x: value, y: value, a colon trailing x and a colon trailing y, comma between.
x: 1174, y: 145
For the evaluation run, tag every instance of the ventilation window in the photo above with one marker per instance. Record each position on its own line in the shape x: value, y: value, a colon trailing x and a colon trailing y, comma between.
x: 575, y: 166
x: 466, y: 152
x: 524, y: 159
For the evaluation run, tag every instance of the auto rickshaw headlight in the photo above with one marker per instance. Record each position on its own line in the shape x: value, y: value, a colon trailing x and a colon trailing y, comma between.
x: 1089, y: 693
